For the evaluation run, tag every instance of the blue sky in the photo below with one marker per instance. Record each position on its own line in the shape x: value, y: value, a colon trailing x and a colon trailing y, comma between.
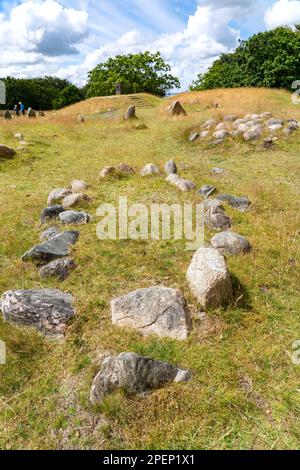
x: 68, y: 38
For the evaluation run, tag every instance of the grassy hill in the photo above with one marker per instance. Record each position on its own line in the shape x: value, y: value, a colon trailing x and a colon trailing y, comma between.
x: 245, y: 389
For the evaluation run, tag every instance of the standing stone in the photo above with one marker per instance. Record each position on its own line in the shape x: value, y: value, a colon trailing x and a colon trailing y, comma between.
x: 7, y: 115
x: 80, y: 118
x: 59, y: 268
x: 56, y: 247
x: 50, y: 213
x: 170, y: 167
x: 130, y: 113
x: 230, y: 243
x: 177, y: 109
x: 134, y: 374
x: 239, y: 203
x: 57, y: 195
x: 74, y: 217
x: 31, y: 114
x: 78, y: 186
x: 209, y: 279
x: 6, y: 152
x: 47, y: 310
x: 155, y: 310
x: 150, y: 169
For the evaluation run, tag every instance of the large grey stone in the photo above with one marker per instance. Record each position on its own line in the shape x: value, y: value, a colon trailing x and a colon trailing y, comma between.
x: 214, y: 215
x: 75, y: 199
x: 230, y: 243
x: 130, y: 113
x: 170, y: 168
x: 154, y: 310
x: 209, y: 279
x: 6, y: 152
x: 47, y: 310
x: 134, y: 374
x: 51, y: 232
x: 274, y: 122
x: 194, y: 136
x: 74, y: 217
x: 7, y: 115
x: 206, y: 190
x: 180, y: 183
x: 221, y: 134
x: 253, y: 133
x: 59, y: 268
x: 50, y: 213
x: 56, y: 247
x: 149, y: 170
x: 209, y: 124
x: 57, y: 195
x: 78, y: 186
x: 239, y: 203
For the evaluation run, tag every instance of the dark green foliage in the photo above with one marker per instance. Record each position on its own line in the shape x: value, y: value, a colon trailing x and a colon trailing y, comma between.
x: 69, y: 95
x: 270, y: 59
x: 143, y: 72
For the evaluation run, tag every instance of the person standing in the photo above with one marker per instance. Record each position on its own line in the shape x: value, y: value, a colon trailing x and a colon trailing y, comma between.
x: 22, y: 108
x: 17, y: 109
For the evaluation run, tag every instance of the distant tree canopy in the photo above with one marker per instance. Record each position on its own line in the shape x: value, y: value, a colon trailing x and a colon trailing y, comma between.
x: 40, y: 93
x: 270, y: 59
x: 69, y: 95
x: 143, y: 72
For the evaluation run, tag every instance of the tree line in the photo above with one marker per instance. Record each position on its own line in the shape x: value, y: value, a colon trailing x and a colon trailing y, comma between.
x: 269, y: 59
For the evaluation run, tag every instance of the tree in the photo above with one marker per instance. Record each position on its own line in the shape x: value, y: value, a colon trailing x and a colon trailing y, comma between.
x: 269, y: 59
x: 143, y: 72
x: 69, y: 95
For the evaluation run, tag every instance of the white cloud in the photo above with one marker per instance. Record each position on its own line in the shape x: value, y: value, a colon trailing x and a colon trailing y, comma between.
x: 283, y: 12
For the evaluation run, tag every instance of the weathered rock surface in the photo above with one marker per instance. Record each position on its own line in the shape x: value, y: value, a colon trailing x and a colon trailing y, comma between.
x: 47, y: 310
x: 292, y: 125
x: 217, y: 171
x: 124, y: 168
x: 56, y: 247
x: 154, y: 310
x: 107, y: 171
x: 214, y: 215
x: 209, y: 124
x: 149, y: 170
x: 253, y: 133
x: 204, y: 134
x: 240, y: 203
x: 31, y: 114
x: 6, y: 152
x: 180, y: 183
x: 177, y: 109
x: 74, y: 217
x: 206, y: 190
x: 57, y: 195
x: 51, y: 232
x: 230, y: 243
x: 19, y: 136
x: 194, y: 136
x: 130, y: 113
x: 134, y: 374
x: 78, y: 186
x: 59, y: 268
x: 75, y: 200
x: 209, y: 279
x: 170, y: 167
x: 274, y: 122
x: 221, y: 134
x: 275, y: 127
x: 7, y: 115
x: 51, y: 213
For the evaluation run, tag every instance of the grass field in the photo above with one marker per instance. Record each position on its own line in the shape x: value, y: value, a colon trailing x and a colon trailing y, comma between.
x: 245, y: 390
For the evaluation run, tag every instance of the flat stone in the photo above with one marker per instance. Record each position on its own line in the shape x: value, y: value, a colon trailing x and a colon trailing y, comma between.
x: 180, y: 183
x: 59, y: 268
x: 51, y: 213
x: 170, y: 167
x: 240, y: 203
x: 206, y: 190
x: 217, y: 171
x: 75, y: 200
x: 74, y: 217
x: 6, y: 152
x: 51, y: 232
x: 238, y: 122
x: 230, y: 243
x: 56, y: 247
x: 47, y: 310
x: 209, y: 124
x: 153, y: 311
x: 204, y: 134
x: 274, y: 122
x: 275, y: 127
x: 149, y: 170
x: 221, y: 134
x: 133, y: 374
x: 209, y: 279
x: 78, y: 186
x: 57, y: 195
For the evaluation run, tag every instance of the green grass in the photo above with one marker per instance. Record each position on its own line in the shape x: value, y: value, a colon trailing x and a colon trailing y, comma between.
x: 45, y: 385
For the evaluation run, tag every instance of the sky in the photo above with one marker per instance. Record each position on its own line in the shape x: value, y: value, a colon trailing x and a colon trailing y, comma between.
x: 68, y: 38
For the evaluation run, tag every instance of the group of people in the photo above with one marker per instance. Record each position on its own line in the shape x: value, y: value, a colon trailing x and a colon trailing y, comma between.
x: 19, y: 109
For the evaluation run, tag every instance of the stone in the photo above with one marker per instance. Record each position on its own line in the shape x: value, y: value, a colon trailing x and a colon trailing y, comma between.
x: 238, y: 122
x: 268, y: 143
x: 209, y: 279
x: 6, y: 152
x: 50, y: 212
x: 230, y: 243
x: 194, y: 136
x: 59, y: 268
x: 51, y: 232
x: 141, y: 127
x: 57, y: 195
x: 235, y: 133
x: 170, y: 167
x: 206, y: 190
x: 209, y: 124
x: 230, y: 118
x: 74, y: 217
x: 78, y: 186
x: 80, y: 118
x: 150, y: 169
x: 153, y: 311
x: 274, y: 122
x: 31, y: 114
x: 107, y: 171
x: 19, y: 136
x: 221, y: 127
x: 47, y: 310
x: 253, y: 133
x: 216, y: 219
x: 217, y: 142
x: 75, y: 199
x: 130, y: 113
x: 292, y: 125
x: 204, y: 134
x: 7, y: 115
x: 133, y: 374
x: 180, y: 183
x: 124, y: 168
x: 55, y: 247
x: 41, y: 114
x: 240, y: 203
x: 275, y: 127
x: 251, y: 117
x: 217, y: 171
x: 177, y: 109
x: 221, y: 134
